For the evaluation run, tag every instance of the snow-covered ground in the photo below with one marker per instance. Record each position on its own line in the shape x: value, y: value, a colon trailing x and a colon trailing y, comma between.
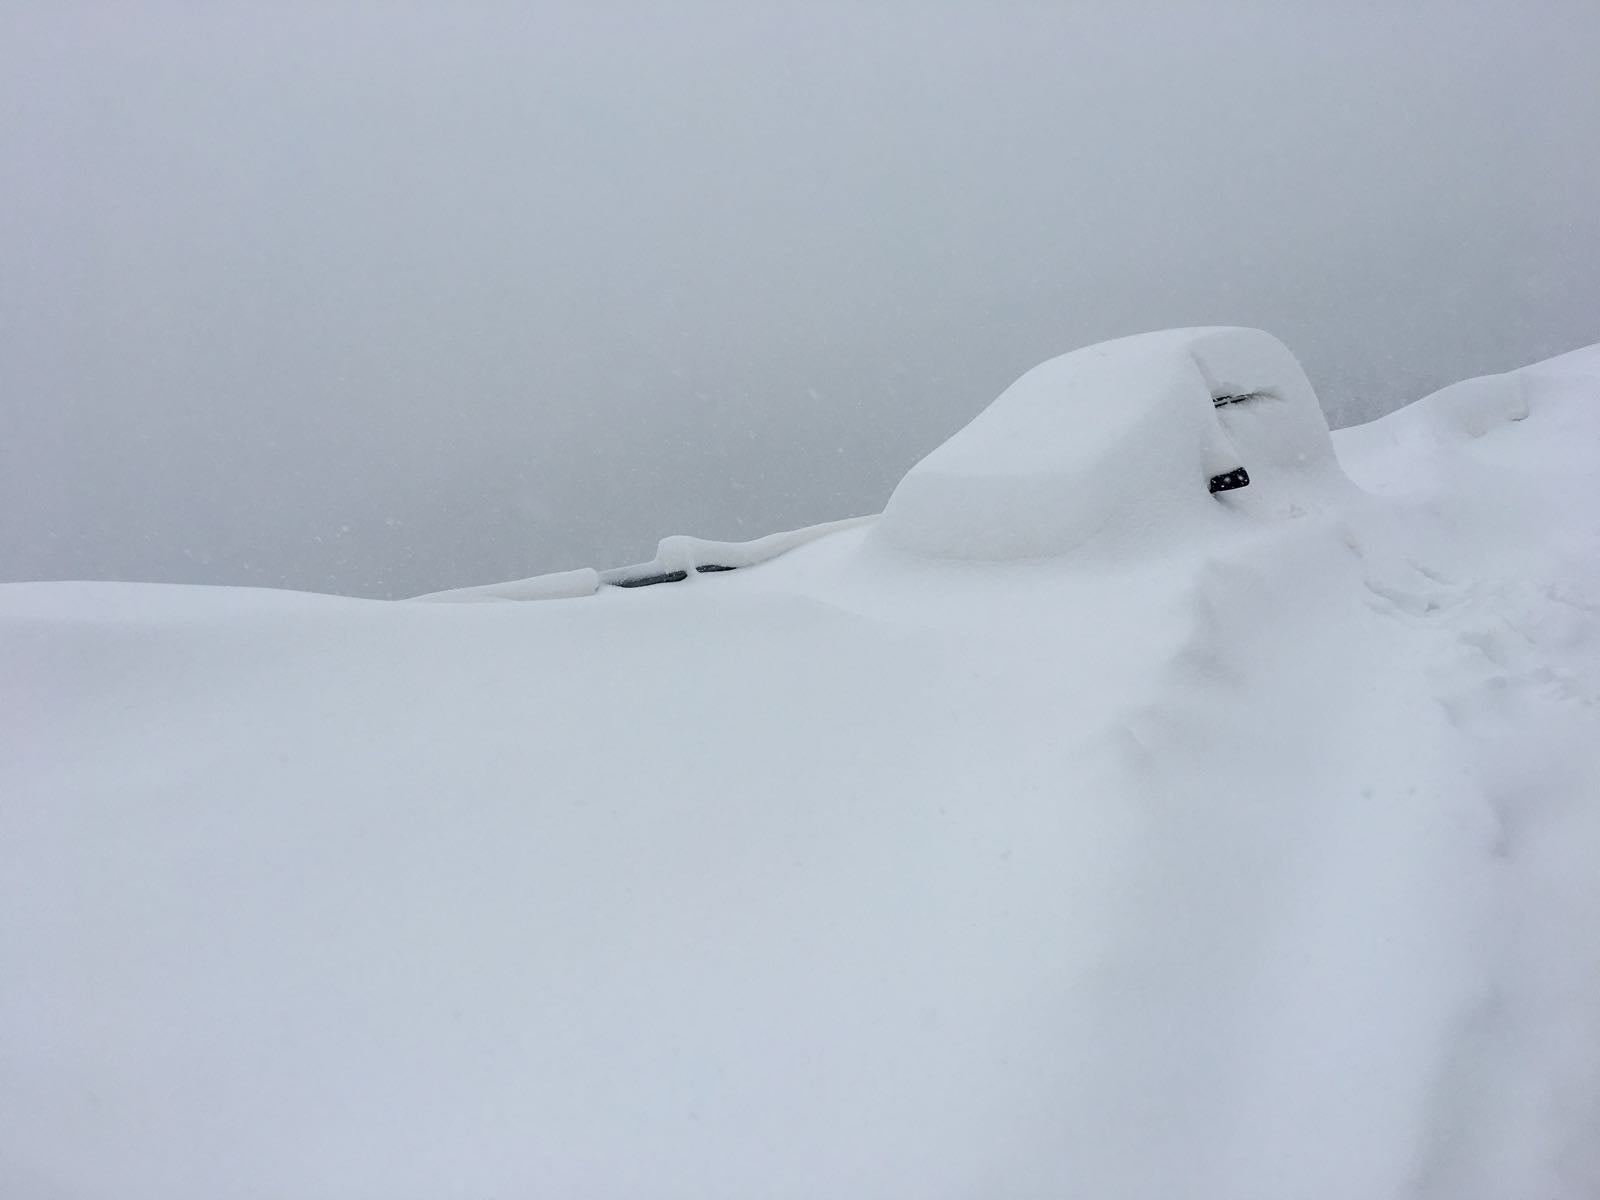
x: 1068, y: 831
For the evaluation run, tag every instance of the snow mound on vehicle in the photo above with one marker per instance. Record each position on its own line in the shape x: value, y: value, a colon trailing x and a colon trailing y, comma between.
x: 1119, y: 441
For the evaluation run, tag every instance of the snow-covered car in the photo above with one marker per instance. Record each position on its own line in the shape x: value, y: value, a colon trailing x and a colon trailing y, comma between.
x: 1115, y: 440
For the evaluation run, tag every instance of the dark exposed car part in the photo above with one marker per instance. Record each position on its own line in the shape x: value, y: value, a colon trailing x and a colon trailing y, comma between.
x: 669, y: 576
x: 1238, y: 477
x: 1229, y: 480
x: 1240, y: 398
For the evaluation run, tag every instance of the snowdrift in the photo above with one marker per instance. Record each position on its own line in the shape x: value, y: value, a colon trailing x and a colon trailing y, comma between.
x: 1068, y: 830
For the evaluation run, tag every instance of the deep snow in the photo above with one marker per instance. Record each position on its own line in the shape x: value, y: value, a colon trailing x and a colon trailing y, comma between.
x: 1067, y: 831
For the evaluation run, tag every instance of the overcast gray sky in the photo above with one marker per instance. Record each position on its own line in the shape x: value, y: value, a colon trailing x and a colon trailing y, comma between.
x: 382, y: 298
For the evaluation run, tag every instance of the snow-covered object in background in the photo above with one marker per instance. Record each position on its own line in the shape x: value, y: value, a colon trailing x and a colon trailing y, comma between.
x: 1426, y: 446
x: 1115, y: 443
x: 681, y: 555
x: 677, y: 558
x: 1474, y: 406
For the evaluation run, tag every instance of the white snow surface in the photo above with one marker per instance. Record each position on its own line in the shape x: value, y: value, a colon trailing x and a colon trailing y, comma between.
x: 1066, y: 832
